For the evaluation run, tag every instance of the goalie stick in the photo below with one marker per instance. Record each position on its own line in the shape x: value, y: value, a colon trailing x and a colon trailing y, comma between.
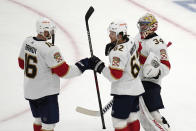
x: 87, y: 16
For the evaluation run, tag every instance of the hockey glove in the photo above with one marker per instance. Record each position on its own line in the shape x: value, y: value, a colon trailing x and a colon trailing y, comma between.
x: 96, y: 64
x: 83, y: 64
x: 109, y: 47
x: 151, y: 71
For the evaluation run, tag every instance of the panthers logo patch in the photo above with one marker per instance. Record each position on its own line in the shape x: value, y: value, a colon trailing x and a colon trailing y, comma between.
x: 163, y: 54
x: 57, y: 57
x: 116, y: 61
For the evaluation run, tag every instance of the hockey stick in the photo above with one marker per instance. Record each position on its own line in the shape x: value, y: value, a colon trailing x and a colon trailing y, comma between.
x: 92, y: 112
x: 53, y: 38
x: 87, y: 16
x: 148, y: 122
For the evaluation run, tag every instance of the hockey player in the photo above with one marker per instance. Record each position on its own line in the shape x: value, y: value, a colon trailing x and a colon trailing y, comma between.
x: 122, y: 72
x: 43, y: 66
x: 153, y: 48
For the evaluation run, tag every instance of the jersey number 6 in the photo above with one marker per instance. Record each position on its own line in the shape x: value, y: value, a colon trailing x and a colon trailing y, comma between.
x: 135, y: 68
x: 30, y: 69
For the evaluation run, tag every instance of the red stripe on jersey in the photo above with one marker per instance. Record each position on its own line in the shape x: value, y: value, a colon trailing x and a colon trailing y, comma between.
x: 167, y: 63
x: 21, y: 63
x: 142, y: 59
x: 117, y: 74
x: 140, y: 48
x: 169, y: 43
x: 61, y: 69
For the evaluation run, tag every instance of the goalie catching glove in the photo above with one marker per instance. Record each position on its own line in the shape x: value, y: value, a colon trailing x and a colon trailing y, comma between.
x: 151, y: 67
x: 96, y: 64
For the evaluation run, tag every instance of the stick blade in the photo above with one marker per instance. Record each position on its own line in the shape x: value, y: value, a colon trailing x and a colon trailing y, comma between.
x: 87, y: 111
x: 89, y: 13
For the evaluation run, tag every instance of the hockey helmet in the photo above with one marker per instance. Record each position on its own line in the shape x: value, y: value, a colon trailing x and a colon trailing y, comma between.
x: 118, y: 27
x: 44, y: 24
x: 147, y: 24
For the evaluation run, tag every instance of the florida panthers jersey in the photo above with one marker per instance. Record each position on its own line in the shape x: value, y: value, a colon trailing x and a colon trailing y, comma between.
x: 123, y: 58
x: 43, y: 64
x: 156, y: 45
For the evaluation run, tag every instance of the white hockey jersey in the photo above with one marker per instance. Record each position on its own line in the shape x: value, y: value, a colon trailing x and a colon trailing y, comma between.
x: 156, y: 45
x: 43, y: 64
x: 123, y: 58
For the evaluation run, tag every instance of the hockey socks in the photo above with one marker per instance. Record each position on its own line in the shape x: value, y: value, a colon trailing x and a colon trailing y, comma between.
x: 134, y: 126
x: 123, y: 129
x: 37, y: 127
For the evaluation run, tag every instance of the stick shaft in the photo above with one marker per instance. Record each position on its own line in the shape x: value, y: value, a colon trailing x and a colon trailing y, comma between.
x: 87, y: 16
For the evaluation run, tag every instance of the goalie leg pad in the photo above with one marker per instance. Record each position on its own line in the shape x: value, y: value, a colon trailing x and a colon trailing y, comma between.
x: 149, y: 123
x: 159, y: 118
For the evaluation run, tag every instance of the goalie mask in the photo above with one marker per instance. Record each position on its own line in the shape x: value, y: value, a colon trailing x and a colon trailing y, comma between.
x: 118, y: 27
x: 147, y: 24
x: 44, y: 24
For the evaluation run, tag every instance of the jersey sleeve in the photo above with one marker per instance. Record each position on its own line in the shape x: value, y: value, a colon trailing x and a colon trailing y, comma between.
x: 165, y: 64
x: 164, y: 59
x: 112, y: 74
x: 21, y: 56
x: 56, y: 62
x: 54, y: 57
x: 118, y: 60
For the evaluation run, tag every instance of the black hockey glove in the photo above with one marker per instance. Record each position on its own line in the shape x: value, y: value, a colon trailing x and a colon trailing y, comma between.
x: 109, y: 47
x: 96, y: 64
x: 83, y: 64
